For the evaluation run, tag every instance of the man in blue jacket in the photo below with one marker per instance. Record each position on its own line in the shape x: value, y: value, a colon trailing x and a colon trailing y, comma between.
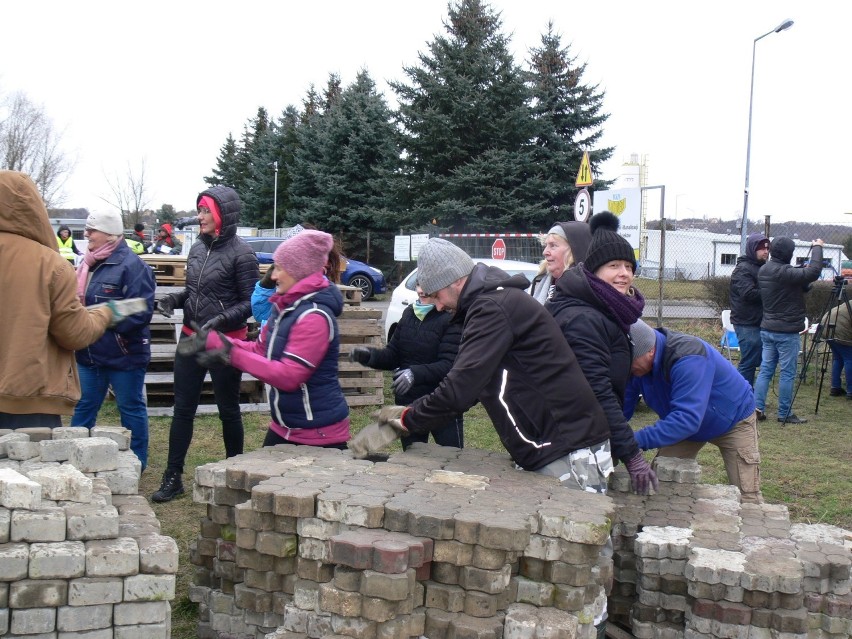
x: 700, y: 397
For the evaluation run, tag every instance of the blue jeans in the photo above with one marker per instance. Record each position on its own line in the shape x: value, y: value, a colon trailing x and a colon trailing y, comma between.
x: 841, y: 360
x: 129, y: 389
x: 751, y: 350
x: 778, y: 349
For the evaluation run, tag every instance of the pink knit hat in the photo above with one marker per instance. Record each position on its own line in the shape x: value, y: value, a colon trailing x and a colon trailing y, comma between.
x: 304, y: 254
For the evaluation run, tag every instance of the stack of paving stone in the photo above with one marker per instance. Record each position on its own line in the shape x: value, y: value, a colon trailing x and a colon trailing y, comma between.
x: 81, y: 554
x: 698, y: 564
x: 305, y: 542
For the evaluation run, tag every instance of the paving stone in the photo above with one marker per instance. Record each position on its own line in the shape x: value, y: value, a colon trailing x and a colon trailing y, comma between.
x: 23, y: 450
x: 17, y: 490
x: 14, y: 561
x: 93, y: 591
x: 112, y: 557
x: 59, y: 560
x: 94, y: 454
x: 83, y: 618
x: 149, y: 588
x: 138, y: 613
x: 38, y: 593
x: 8, y: 438
x: 46, y: 524
x: 32, y: 621
x: 85, y: 522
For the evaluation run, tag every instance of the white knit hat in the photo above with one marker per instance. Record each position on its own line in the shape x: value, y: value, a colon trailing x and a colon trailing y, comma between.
x: 108, y: 222
x: 440, y: 263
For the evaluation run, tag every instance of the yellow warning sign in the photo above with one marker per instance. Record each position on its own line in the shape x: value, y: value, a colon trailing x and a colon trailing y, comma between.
x: 584, y: 175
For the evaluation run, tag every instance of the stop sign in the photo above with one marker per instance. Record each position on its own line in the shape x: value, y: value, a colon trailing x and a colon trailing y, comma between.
x: 498, y: 249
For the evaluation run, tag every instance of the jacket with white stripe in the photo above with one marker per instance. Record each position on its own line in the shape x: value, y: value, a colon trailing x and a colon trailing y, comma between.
x: 514, y: 359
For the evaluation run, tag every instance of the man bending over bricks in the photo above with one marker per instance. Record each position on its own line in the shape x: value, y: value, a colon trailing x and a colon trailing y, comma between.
x: 700, y: 397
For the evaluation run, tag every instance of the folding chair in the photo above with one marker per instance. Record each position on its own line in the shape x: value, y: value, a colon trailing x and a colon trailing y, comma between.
x: 729, y: 340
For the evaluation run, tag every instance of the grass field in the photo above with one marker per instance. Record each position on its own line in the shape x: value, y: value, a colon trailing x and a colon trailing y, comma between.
x: 807, y: 467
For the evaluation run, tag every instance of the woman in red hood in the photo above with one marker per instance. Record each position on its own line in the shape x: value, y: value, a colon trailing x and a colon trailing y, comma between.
x: 166, y: 243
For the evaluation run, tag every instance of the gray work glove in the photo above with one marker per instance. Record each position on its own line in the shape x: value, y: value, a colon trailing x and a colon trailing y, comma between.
x: 403, y: 380
x: 360, y: 354
x: 214, y: 324
x: 120, y: 309
x: 217, y: 357
x: 195, y: 343
x: 371, y: 439
x: 166, y: 306
x: 642, y: 476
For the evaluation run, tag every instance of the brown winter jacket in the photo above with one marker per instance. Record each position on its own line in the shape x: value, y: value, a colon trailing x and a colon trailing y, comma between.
x: 42, y: 322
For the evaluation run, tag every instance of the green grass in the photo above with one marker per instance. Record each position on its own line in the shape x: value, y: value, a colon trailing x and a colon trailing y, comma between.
x: 807, y: 468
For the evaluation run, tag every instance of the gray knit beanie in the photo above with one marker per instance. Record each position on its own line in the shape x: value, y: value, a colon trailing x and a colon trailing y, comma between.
x: 644, y: 338
x: 439, y: 264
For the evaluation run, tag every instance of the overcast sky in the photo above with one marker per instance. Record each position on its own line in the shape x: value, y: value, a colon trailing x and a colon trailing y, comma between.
x: 167, y: 81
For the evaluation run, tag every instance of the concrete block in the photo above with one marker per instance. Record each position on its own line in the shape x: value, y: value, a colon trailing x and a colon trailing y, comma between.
x: 83, y: 618
x: 14, y: 561
x: 141, y: 612
x: 8, y: 438
x: 23, y: 450
x: 93, y: 591
x: 149, y: 588
x: 33, y: 621
x: 18, y: 491
x: 55, y: 450
x: 86, y: 522
x: 112, y: 557
x: 121, y: 481
x: 5, y: 525
x: 143, y: 631
x: 63, y: 483
x: 38, y: 593
x: 60, y: 560
x: 70, y: 432
x: 94, y: 455
x: 118, y: 434
x: 158, y: 554
x: 46, y: 524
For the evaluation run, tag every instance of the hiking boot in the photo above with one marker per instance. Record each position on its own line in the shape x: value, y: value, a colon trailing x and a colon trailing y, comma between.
x: 834, y: 392
x: 171, y: 487
x: 761, y: 416
x: 792, y: 418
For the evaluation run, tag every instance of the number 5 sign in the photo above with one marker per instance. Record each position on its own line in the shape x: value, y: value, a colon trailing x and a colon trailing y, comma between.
x: 582, y: 206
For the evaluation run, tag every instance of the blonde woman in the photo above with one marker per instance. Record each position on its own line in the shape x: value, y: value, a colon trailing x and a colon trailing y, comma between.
x: 564, y: 246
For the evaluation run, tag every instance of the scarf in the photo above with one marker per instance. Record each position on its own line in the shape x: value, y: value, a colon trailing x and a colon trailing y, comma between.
x: 422, y: 310
x: 625, y: 309
x: 89, y: 260
x: 545, y: 288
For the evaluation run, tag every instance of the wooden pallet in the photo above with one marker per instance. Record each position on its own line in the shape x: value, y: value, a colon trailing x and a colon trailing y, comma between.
x: 169, y: 270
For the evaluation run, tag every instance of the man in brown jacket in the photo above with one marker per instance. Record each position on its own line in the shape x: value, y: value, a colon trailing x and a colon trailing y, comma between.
x: 42, y: 321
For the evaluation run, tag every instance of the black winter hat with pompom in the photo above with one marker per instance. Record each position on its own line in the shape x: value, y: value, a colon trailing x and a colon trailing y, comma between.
x: 607, y: 245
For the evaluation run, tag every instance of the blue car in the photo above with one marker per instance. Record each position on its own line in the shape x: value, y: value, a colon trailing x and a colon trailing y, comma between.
x: 368, y: 278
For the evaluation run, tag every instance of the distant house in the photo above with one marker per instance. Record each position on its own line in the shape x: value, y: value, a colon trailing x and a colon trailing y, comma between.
x: 694, y: 255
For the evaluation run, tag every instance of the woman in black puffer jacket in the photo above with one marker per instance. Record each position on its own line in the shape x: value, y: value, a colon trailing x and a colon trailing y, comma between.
x: 221, y: 271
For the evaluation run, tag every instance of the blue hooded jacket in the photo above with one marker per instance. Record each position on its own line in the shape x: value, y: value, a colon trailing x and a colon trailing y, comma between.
x: 696, y: 392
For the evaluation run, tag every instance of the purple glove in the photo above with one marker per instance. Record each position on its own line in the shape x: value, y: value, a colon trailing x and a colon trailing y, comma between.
x: 642, y: 476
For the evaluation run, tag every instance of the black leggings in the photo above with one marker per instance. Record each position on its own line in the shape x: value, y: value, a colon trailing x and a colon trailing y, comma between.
x: 189, y: 378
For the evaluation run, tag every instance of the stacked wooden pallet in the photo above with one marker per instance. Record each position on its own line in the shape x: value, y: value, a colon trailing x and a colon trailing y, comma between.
x: 358, y: 326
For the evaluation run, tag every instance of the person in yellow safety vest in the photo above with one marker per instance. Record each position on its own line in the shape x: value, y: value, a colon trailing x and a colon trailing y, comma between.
x: 67, y: 248
x: 136, y: 247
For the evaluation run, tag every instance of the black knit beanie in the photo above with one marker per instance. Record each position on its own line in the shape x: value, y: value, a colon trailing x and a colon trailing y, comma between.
x: 607, y: 245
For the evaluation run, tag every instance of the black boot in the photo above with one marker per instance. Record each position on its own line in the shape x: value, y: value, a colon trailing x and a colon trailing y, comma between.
x: 171, y: 487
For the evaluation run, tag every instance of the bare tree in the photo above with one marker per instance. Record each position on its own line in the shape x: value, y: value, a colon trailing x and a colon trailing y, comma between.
x: 129, y: 194
x: 30, y: 144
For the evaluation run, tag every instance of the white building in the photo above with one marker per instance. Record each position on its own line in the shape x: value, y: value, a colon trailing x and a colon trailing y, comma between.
x: 696, y: 254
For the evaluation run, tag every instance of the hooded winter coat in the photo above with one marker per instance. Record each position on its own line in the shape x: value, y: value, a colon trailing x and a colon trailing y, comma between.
x: 42, y: 318
x: 169, y: 242
x: 783, y: 287
x: 602, y: 349
x: 220, y: 271
x: 579, y: 236
x: 746, y: 305
x: 514, y: 359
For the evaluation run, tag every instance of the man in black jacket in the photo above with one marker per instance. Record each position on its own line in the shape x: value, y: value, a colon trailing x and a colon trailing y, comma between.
x: 782, y: 289
x: 514, y: 359
x: 221, y: 271
x: 746, y: 305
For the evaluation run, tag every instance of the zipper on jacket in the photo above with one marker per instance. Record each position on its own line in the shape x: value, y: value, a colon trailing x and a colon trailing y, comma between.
x: 200, y: 273
x: 306, y: 401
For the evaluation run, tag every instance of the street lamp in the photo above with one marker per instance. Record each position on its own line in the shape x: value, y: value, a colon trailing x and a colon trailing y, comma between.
x: 744, y: 228
x: 275, y: 199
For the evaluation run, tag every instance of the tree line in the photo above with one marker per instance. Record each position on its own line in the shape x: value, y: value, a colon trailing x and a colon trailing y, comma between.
x: 476, y: 143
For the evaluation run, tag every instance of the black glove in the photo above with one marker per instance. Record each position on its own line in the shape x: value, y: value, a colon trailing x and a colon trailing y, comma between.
x: 217, y: 357
x: 642, y: 476
x: 403, y: 380
x: 266, y: 281
x: 195, y: 343
x: 166, y: 306
x: 360, y: 354
x: 214, y: 323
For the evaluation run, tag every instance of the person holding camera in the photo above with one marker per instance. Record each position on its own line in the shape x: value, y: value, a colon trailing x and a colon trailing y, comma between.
x: 782, y: 289
x: 221, y: 271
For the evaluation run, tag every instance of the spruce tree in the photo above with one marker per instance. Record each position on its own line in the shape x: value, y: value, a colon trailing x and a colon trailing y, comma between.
x: 225, y: 170
x: 467, y: 127
x: 568, y: 118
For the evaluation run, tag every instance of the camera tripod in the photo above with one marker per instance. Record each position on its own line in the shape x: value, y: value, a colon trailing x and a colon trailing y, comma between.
x: 825, y: 333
